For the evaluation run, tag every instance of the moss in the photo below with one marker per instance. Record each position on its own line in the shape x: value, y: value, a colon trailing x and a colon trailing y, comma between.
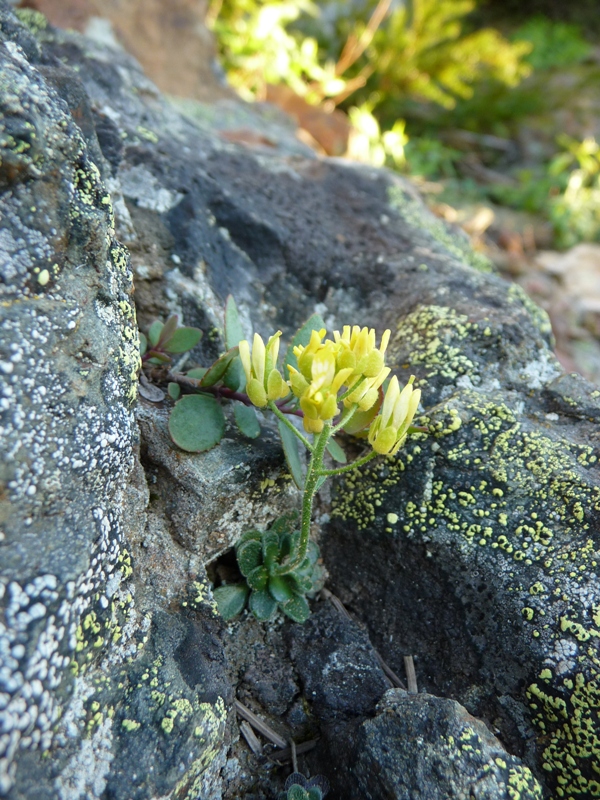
x: 33, y: 20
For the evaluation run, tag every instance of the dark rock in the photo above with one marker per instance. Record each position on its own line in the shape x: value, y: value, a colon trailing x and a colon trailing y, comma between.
x: 337, y: 666
x: 423, y: 746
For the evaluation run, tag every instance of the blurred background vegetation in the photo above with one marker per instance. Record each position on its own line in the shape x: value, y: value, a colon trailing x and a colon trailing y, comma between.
x: 486, y: 105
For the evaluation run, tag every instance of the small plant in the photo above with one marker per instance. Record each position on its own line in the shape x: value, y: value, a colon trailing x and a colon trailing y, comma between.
x: 297, y: 787
x: 333, y: 386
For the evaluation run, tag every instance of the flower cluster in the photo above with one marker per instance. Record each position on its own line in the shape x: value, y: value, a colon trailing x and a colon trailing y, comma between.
x: 390, y: 428
x: 263, y: 380
x: 350, y: 369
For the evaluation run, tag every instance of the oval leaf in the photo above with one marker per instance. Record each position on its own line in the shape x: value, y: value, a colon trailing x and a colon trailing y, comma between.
x: 270, y: 547
x: 231, y: 599
x: 233, y: 327
x: 336, y: 452
x: 249, y: 555
x: 182, y: 340
x: 280, y: 588
x: 235, y: 377
x: 196, y: 423
x: 168, y: 329
x: 262, y: 605
x: 245, y: 419
x: 154, y: 332
x: 290, y: 449
x: 143, y: 343
x: 174, y: 390
x: 296, y: 609
x: 257, y: 578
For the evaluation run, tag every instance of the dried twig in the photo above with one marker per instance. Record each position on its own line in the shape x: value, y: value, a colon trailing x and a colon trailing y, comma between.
x: 294, y: 755
x: 411, y: 675
x: 260, y: 726
x: 251, y: 739
x: 286, y: 755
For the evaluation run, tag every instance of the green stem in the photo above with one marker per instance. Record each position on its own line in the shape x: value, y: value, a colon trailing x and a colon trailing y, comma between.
x: 349, y: 391
x: 346, y: 417
x: 349, y: 467
x: 280, y: 415
x: 313, y: 474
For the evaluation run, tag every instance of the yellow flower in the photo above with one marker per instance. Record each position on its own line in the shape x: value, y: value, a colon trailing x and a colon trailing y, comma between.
x: 357, y: 350
x: 389, y: 429
x: 264, y: 382
x: 317, y: 389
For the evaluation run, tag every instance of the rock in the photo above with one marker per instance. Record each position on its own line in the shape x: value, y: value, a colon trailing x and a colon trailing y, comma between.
x: 474, y: 549
x: 424, y: 746
x: 336, y: 663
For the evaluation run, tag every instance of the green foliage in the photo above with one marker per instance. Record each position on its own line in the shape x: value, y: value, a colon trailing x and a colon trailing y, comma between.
x: 297, y: 787
x: 167, y: 339
x: 260, y: 554
x: 554, y: 44
x: 333, y: 385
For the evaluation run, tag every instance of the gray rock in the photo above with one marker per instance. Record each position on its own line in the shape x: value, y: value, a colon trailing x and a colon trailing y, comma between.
x: 475, y: 549
x: 419, y: 746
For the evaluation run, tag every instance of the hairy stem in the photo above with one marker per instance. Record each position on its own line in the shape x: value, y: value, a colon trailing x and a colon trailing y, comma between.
x: 280, y: 415
x: 327, y: 473
x: 313, y: 474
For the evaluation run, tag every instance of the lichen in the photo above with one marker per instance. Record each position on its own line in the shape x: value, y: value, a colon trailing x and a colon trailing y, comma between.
x: 522, y: 497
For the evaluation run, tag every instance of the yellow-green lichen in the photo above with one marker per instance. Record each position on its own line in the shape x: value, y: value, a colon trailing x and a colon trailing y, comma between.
x: 527, y: 493
x: 456, y: 243
x: 210, y: 733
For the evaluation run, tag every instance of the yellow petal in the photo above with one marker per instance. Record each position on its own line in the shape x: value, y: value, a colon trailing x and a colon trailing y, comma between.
x: 258, y: 358
x: 312, y: 425
x: 329, y: 408
x: 298, y: 382
x: 245, y: 358
x: 389, y: 401
x: 340, y: 379
x: 368, y: 400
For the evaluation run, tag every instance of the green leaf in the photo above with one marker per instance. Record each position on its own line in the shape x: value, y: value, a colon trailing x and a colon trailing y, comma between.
x: 182, y: 340
x: 245, y: 419
x: 270, y: 547
x: 301, y: 583
x: 197, y: 373
x: 251, y: 535
x: 235, y: 377
x: 174, y: 390
x: 233, y: 326
x: 196, y: 423
x: 154, y: 332
x: 302, y: 337
x: 320, y: 481
x: 280, y: 588
x: 296, y: 609
x: 219, y: 368
x: 296, y: 792
x: 258, y: 578
x: 143, y: 343
x: 262, y: 605
x: 231, y: 599
x: 336, y: 452
x: 286, y: 523
x: 314, y: 793
x: 168, y: 330
x: 361, y: 420
x: 249, y: 555
x: 290, y: 449
x: 156, y: 357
